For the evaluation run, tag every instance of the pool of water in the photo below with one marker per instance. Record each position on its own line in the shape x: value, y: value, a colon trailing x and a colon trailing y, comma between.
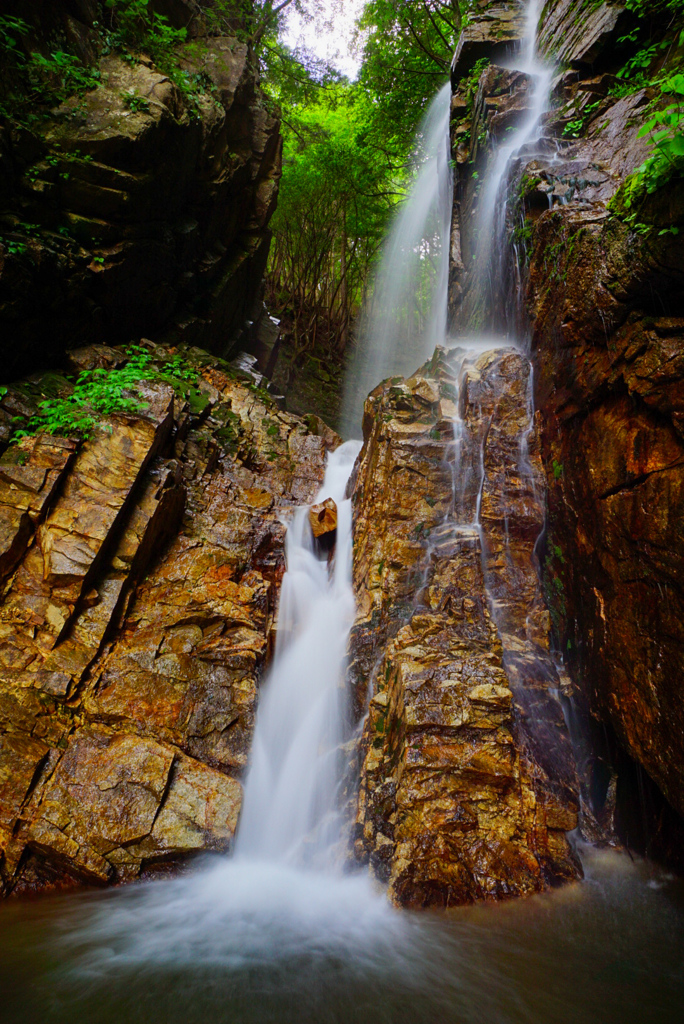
x: 252, y: 944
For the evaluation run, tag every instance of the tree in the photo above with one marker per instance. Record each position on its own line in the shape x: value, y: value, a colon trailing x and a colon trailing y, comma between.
x: 407, y: 47
x: 334, y: 203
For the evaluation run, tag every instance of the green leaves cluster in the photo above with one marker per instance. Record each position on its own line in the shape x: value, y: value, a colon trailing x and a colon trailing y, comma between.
x: 407, y: 48
x: 665, y: 132
x: 102, y: 392
x: 135, y: 26
x: 128, y: 27
x: 61, y: 73
x: 573, y: 129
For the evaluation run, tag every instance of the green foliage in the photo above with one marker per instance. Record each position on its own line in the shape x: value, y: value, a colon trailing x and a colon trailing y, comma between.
x: 335, y: 198
x: 577, y: 127
x: 665, y: 132
x: 65, y: 73
x: 13, y: 247
x: 407, y: 50
x: 136, y: 27
x: 11, y: 31
x: 350, y: 154
x: 134, y: 101
x: 101, y: 393
x: 60, y: 74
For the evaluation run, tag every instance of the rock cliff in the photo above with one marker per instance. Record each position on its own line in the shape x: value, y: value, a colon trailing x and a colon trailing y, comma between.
x: 140, y: 206
x: 601, y: 295
x: 467, y: 784
x: 140, y: 573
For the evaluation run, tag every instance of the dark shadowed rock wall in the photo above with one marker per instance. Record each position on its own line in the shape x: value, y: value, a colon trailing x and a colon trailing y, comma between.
x: 119, y: 220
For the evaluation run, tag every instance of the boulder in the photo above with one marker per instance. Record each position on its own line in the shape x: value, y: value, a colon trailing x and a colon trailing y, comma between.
x: 323, y: 518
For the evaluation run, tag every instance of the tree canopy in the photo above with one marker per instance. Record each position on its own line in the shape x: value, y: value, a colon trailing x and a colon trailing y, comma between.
x: 347, y: 157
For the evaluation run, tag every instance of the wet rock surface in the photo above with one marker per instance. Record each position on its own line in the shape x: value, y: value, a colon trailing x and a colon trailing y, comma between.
x: 467, y: 784
x: 602, y: 303
x: 609, y: 390
x: 141, y: 570
x: 496, y: 31
x: 573, y: 32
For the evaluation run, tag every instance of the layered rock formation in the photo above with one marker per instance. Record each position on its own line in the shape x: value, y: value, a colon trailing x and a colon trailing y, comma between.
x: 467, y: 782
x: 136, y: 207
x: 495, y: 32
x: 604, y: 301
x: 140, y: 574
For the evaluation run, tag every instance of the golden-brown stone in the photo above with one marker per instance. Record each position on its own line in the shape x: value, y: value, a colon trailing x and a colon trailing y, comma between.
x: 467, y: 783
x: 137, y: 616
x: 323, y: 518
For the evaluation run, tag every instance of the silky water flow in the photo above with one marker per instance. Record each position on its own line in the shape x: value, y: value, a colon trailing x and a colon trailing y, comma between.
x: 406, y: 317
x: 279, y: 932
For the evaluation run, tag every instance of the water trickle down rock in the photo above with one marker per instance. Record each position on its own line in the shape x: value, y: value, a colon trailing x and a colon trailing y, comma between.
x: 604, y: 307
x: 467, y: 784
x: 141, y: 571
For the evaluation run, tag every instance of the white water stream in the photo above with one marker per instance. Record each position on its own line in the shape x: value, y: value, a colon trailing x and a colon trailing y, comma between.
x: 407, y: 315
x: 289, y: 810
x: 526, y: 133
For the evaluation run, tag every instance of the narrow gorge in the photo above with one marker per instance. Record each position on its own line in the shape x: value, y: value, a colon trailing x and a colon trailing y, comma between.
x: 376, y: 703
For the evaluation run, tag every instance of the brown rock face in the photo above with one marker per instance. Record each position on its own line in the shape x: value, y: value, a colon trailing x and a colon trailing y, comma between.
x: 141, y: 571
x: 323, y: 518
x: 149, y: 209
x: 571, y: 32
x: 604, y: 303
x: 467, y: 783
x: 610, y: 391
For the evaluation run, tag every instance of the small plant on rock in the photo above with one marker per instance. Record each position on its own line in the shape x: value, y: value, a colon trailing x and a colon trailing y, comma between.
x: 101, y: 393
x: 135, y: 102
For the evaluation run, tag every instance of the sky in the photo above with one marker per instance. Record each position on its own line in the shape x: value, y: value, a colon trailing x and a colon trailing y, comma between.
x: 329, y: 35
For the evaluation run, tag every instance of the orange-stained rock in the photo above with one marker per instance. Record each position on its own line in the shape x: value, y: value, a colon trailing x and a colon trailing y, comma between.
x: 610, y: 393
x: 599, y: 283
x: 323, y: 518
x: 468, y: 785
x: 138, y: 613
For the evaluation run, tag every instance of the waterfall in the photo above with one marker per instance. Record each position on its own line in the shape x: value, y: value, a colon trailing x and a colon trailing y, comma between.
x: 406, y: 318
x: 289, y: 812
x: 484, y: 305
x: 289, y: 806
x: 281, y: 891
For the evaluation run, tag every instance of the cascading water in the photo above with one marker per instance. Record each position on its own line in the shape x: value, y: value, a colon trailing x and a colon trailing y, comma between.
x: 483, y: 306
x: 289, y: 805
x: 407, y: 315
